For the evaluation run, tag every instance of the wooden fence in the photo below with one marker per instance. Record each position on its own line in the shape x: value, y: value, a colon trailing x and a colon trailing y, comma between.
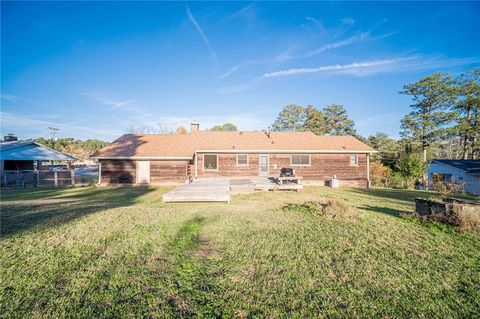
x: 36, y: 178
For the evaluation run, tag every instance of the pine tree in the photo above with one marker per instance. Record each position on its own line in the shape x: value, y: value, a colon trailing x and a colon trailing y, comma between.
x: 314, y: 120
x: 291, y: 118
x: 428, y: 121
x: 467, y: 108
x: 337, y: 121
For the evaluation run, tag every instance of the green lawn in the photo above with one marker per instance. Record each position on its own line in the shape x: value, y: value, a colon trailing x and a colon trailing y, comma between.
x: 121, y: 252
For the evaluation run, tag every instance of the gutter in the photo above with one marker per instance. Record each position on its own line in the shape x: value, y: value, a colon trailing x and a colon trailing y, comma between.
x: 288, y: 151
x: 145, y: 158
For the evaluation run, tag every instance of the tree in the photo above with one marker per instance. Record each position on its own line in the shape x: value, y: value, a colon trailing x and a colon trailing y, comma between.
x: 467, y: 108
x: 77, y: 148
x: 411, y: 167
x: 291, y: 118
x: 225, y: 127
x: 337, y: 121
x: 427, y: 122
x: 449, y: 148
x: 387, y: 147
x: 181, y: 130
x: 314, y: 120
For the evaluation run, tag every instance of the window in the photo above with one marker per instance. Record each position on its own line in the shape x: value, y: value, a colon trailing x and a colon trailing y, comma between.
x: 353, y: 160
x: 300, y: 159
x: 210, y: 161
x: 242, y: 159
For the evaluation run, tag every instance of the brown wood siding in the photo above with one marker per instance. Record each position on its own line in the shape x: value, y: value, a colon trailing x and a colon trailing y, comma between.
x: 227, y: 166
x: 168, y: 171
x: 322, y: 167
x: 118, y: 171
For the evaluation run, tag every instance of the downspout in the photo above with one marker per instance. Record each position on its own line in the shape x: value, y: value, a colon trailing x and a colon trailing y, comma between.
x: 368, y: 171
x: 99, y: 172
x: 195, y: 154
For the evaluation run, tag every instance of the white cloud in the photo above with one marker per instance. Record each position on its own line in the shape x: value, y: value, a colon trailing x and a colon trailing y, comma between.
x: 370, y: 67
x: 9, y: 97
x: 317, y: 22
x: 348, y: 21
x: 245, y: 12
x: 200, y: 31
x: 357, y: 68
x: 111, y: 103
x: 286, y: 56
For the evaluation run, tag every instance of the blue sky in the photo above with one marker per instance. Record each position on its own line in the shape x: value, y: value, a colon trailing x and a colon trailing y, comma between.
x: 93, y: 69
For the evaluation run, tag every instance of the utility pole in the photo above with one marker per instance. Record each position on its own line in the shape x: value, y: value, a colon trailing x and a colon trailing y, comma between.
x: 53, y: 132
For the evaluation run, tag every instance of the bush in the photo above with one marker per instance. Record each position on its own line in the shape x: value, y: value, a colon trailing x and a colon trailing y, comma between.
x: 411, y: 167
x: 330, y: 209
x: 379, y: 174
x: 397, y: 180
x: 463, y: 216
x: 467, y: 216
x: 445, y: 189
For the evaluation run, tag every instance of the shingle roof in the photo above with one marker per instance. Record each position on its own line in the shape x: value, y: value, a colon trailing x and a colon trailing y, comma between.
x: 175, y: 145
x: 30, y: 151
x: 469, y: 166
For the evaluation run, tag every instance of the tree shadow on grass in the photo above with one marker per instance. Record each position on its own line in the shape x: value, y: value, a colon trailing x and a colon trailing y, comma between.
x: 401, y: 195
x: 383, y: 210
x: 60, y: 206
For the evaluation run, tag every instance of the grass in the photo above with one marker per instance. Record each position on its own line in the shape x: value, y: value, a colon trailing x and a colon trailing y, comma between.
x: 120, y: 252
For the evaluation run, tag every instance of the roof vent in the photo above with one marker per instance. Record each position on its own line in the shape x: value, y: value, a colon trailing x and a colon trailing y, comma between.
x: 10, y: 138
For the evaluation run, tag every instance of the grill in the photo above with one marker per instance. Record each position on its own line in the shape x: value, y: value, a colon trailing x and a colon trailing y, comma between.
x: 286, y: 172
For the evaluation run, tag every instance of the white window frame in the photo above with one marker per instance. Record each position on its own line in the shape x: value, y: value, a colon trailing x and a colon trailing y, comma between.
x: 248, y: 160
x: 350, y: 159
x: 309, y: 160
x: 209, y: 169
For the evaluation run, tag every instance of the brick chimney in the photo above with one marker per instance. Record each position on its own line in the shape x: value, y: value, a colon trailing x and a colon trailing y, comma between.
x: 10, y: 138
x: 194, y: 127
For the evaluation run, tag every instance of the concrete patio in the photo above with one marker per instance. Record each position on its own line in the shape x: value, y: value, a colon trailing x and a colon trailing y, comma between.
x: 220, y: 189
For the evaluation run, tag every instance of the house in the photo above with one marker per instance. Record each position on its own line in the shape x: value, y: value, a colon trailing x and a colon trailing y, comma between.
x: 176, y: 158
x: 463, y: 171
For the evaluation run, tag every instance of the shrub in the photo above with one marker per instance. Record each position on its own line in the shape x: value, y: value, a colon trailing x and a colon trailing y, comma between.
x: 411, y: 167
x: 330, y: 209
x: 380, y: 174
x: 467, y: 216
x: 397, y: 180
x: 445, y: 189
x: 463, y: 216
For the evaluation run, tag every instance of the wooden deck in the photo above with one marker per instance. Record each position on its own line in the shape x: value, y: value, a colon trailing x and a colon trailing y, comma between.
x: 201, y: 190
x: 220, y: 189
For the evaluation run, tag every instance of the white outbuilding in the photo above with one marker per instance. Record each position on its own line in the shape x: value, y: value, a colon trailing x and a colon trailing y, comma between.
x: 466, y: 172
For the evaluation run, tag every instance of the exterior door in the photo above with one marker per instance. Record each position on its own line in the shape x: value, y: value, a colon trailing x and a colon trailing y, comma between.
x: 263, y: 165
x: 143, y: 172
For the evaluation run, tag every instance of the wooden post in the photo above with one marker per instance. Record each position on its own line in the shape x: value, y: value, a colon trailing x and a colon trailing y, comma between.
x: 72, y: 177
x: 56, y: 178
x: 37, y: 173
x: 5, y: 179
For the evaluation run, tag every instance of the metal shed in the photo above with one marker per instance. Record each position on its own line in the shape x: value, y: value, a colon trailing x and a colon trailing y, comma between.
x: 20, y: 163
